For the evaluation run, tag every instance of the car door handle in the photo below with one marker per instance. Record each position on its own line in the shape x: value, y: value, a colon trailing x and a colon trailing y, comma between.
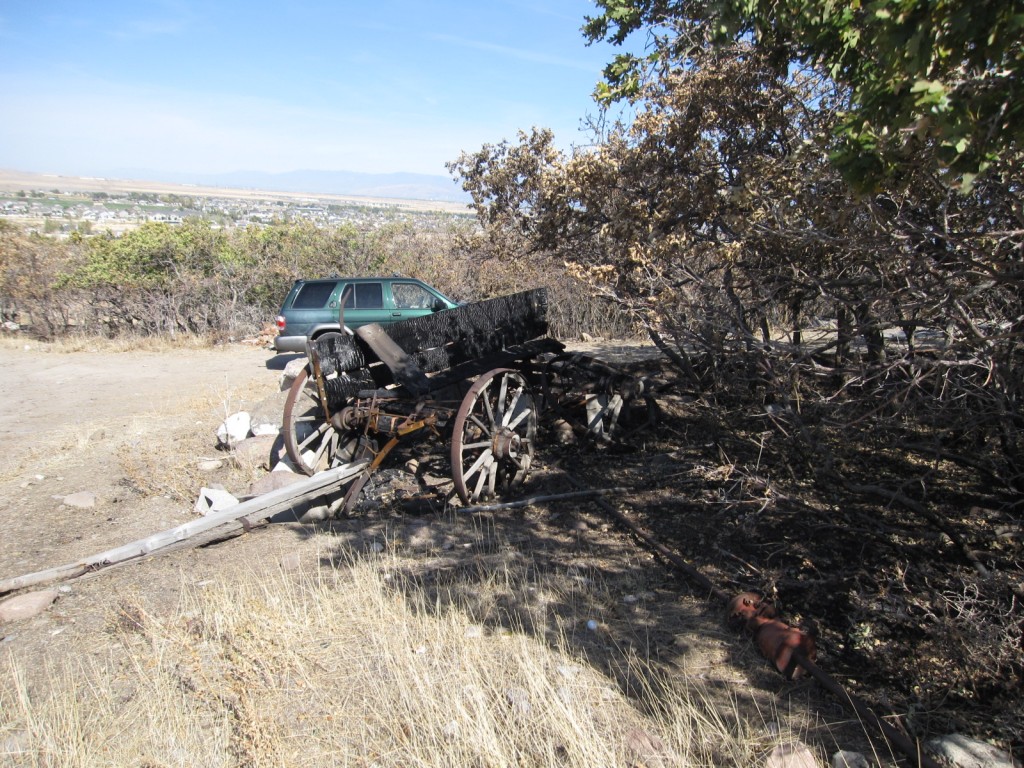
x: 396, y: 314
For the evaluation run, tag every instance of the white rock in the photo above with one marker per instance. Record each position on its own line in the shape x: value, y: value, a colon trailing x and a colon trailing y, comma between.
x: 291, y: 370
x: 213, y: 500
x: 965, y: 752
x: 518, y: 700
x: 315, y: 514
x: 847, y: 759
x: 291, y: 562
x: 234, y: 428
x: 791, y: 756
x: 82, y: 500
x: 26, y: 606
x: 451, y: 729
x: 260, y: 430
x: 254, y: 451
x: 272, y: 482
x: 284, y: 464
x: 209, y: 465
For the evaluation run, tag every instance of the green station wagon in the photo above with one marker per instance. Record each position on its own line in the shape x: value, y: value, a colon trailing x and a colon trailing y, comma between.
x: 311, y: 307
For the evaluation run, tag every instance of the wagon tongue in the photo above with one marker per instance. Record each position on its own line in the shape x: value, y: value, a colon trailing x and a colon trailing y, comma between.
x: 400, y: 363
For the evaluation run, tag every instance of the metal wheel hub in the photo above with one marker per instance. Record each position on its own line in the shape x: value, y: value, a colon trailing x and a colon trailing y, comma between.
x: 506, y: 445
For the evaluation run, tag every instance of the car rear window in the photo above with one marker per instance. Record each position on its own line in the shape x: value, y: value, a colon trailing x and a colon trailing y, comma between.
x: 313, y: 296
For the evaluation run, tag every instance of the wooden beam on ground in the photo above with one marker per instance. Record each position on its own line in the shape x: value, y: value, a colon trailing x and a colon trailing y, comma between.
x: 254, y: 510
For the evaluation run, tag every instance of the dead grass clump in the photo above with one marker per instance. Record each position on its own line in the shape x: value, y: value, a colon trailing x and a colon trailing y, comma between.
x: 354, y: 666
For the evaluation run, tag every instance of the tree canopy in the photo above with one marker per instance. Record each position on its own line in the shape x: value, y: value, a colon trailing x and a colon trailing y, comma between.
x: 946, y: 72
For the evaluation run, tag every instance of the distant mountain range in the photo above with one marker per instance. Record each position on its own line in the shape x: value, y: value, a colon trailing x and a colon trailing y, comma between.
x: 404, y: 186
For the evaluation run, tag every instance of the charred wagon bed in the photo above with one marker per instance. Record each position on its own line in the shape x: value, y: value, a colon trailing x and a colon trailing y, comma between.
x: 479, y: 376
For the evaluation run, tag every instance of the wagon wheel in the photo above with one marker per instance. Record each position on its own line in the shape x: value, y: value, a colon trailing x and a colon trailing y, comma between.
x: 493, y: 435
x: 313, y: 443
x: 620, y: 408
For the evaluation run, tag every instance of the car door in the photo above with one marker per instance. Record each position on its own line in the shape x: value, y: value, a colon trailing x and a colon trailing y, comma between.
x: 364, y: 303
x: 411, y: 299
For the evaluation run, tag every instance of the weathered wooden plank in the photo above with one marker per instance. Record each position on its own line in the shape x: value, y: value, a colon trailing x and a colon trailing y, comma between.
x: 255, y: 510
x: 403, y: 367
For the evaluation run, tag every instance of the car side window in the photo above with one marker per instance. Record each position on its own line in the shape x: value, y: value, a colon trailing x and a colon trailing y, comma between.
x: 313, y: 296
x: 369, y: 296
x: 411, y: 296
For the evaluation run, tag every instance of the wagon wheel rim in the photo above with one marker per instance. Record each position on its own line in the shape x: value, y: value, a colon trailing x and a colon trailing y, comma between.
x: 312, y: 443
x: 493, y: 436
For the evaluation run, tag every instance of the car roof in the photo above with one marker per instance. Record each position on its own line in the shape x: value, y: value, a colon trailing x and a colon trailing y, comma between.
x: 359, y: 279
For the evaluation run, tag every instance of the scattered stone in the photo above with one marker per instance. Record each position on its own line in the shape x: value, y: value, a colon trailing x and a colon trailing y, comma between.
x: 518, y: 700
x: 209, y: 465
x: 234, y: 429
x: 433, y: 481
x: 419, y: 535
x: 283, y: 464
x: 213, y: 500
x: 268, y: 411
x: 273, y: 481
x: 263, y: 429
x: 586, y: 338
x: 27, y: 605
x: 648, y: 748
x: 291, y: 562
x: 10, y: 325
x: 315, y: 514
x: 562, y: 432
x: 451, y: 729
x: 795, y: 755
x: 291, y: 370
x: 847, y: 759
x: 18, y: 743
x: 965, y: 752
x: 81, y: 500
x: 255, y: 451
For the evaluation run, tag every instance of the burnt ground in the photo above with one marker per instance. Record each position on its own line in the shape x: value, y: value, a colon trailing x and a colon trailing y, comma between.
x: 908, y: 571
x: 908, y: 568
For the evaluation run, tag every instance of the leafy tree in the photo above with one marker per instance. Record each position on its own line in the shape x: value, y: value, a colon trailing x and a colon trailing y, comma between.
x: 917, y: 71
x: 716, y: 220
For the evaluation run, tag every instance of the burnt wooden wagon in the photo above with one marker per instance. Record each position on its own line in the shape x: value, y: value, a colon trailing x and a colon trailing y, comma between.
x: 479, y: 375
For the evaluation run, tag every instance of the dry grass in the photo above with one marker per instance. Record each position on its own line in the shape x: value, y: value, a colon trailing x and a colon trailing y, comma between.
x: 353, y: 665
x: 93, y: 343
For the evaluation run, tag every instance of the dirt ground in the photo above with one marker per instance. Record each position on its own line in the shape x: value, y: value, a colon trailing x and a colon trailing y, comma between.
x: 132, y: 428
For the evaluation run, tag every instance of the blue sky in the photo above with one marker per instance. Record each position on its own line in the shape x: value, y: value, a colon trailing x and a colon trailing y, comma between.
x: 93, y: 87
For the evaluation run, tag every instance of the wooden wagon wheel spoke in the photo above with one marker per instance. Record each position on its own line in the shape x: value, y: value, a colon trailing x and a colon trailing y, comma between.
x: 311, y: 442
x: 493, y: 435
